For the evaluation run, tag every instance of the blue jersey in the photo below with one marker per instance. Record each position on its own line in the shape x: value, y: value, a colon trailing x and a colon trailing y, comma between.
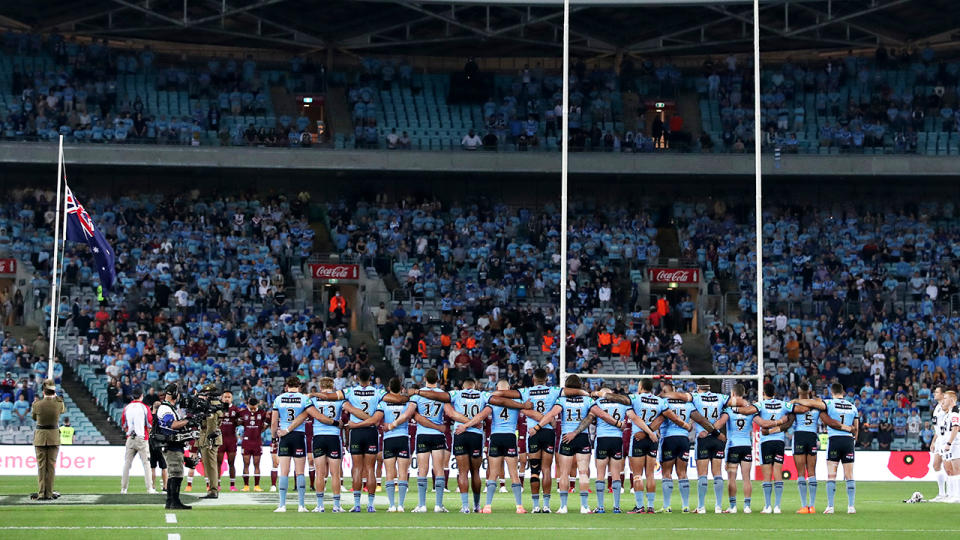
x: 772, y: 409
x: 842, y: 411
x: 682, y: 409
x: 365, y: 398
x: 392, y: 411
x: 618, y: 411
x: 289, y: 405
x: 542, y: 397
x: 648, y: 406
x: 330, y: 409
x: 469, y: 403
x: 574, y: 410
x: 503, y: 419
x: 431, y: 410
x: 808, y: 422
x: 710, y: 405
x: 739, y: 428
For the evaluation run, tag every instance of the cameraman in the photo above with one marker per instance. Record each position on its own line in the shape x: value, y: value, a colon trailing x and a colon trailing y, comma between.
x: 169, y: 424
x: 211, y: 439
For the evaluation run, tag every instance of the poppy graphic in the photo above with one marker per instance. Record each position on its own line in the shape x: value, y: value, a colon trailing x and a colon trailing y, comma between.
x: 909, y: 464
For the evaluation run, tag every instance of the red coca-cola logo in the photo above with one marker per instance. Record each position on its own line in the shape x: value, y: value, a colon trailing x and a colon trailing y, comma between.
x: 674, y: 275
x: 335, y: 271
x: 8, y: 266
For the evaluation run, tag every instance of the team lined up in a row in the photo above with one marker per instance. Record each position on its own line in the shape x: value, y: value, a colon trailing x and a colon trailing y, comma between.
x: 723, y: 426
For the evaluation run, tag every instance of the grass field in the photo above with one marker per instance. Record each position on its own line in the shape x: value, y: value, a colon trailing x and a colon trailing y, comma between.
x: 103, y: 513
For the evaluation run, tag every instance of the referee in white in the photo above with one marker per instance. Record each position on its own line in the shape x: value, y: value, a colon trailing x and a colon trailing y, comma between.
x: 136, y: 421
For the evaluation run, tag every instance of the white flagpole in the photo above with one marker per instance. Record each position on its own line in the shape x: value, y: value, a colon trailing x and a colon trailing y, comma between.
x: 564, y: 141
x: 758, y: 187
x: 54, y: 289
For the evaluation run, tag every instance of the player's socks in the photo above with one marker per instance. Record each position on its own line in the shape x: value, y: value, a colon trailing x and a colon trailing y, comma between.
x: 356, y: 497
x: 777, y: 493
x: 667, y: 492
x: 422, y: 491
x: 273, y: 477
x: 851, y: 492
x: 536, y: 500
x: 617, y: 484
x: 546, y: 500
x: 563, y: 497
x: 802, y: 487
x: 812, y: 490
x: 403, y: 486
x: 718, y: 488
x: 831, y: 491
x: 370, y: 497
x: 246, y: 480
x: 190, y: 480
x: 233, y: 482
x: 685, y: 492
x: 301, y: 488
x: 492, y: 488
x: 313, y: 476
x: 284, y: 484
x: 638, y: 498
x: 601, y: 492
x: 584, y: 498
x: 446, y: 478
x: 651, y: 497
x: 767, y: 493
x: 702, y: 491
x: 746, y: 502
x: 476, y: 498
x: 517, y: 493
x: 390, y: 487
x: 733, y: 502
x: 336, y: 501
x: 942, y: 483
x: 319, y: 499
x: 439, y: 487
x: 465, y: 500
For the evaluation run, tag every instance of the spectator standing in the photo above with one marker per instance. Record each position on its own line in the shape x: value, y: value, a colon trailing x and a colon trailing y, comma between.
x: 136, y: 420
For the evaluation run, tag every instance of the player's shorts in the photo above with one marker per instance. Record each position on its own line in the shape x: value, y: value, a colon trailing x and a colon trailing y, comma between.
x: 609, y: 448
x: 805, y: 443
x: 396, y: 447
x: 229, y: 445
x: 771, y: 452
x: 502, y: 445
x: 156, y: 458
x: 327, y: 445
x: 293, y: 444
x: 675, y: 447
x: 952, y: 452
x: 468, y: 444
x: 710, y: 447
x: 429, y: 443
x: 940, y: 448
x: 364, y: 441
x: 253, y: 447
x: 840, y: 448
x: 643, y: 448
x: 544, y: 440
x: 579, y: 445
x: 740, y: 454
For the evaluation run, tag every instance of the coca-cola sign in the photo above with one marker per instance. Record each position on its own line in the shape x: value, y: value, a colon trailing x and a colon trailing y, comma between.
x: 674, y: 275
x: 335, y: 271
x: 8, y: 266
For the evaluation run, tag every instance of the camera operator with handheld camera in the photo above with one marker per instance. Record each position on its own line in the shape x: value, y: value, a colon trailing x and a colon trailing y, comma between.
x: 172, y: 431
x: 210, y: 437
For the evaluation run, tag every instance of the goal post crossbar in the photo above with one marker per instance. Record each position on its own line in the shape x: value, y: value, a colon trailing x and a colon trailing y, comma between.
x: 627, y: 376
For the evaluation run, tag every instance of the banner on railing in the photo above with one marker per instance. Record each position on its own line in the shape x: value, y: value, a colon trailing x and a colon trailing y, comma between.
x: 326, y: 271
x: 75, y: 460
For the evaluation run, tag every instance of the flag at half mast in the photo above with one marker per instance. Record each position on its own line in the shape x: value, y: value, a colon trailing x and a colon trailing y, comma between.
x: 80, y: 228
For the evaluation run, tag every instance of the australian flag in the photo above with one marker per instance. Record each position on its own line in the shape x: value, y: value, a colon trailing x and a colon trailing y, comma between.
x: 80, y: 228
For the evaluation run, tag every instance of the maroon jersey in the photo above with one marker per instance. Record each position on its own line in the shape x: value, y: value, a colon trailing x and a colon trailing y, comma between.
x: 228, y: 426
x: 254, y: 423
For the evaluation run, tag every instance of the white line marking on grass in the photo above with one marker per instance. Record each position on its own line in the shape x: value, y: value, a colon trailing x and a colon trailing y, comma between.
x: 171, y: 518
x: 173, y: 536
x: 451, y: 528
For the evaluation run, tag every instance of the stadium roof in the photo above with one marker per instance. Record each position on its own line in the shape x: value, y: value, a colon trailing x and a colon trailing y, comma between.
x: 498, y: 27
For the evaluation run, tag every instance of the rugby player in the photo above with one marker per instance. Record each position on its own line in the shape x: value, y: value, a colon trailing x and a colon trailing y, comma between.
x: 254, y: 421
x: 396, y: 444
x: 951, y: 447
x: 465, y: 404
x: 364, y: 442
x: 286, y: 407
x: 710, y: 441
x: 573, y: 410
x: 840, y: 417
x: 502, y: 443
x: 609, y: 447
x: 650, y: 409
x: 772, y: 446
x: 228, y: 430
x: 739, y: 425
x: 936, y: 446
x: 806, y: 428
x: 675, y: 449
x: 430, y: 440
